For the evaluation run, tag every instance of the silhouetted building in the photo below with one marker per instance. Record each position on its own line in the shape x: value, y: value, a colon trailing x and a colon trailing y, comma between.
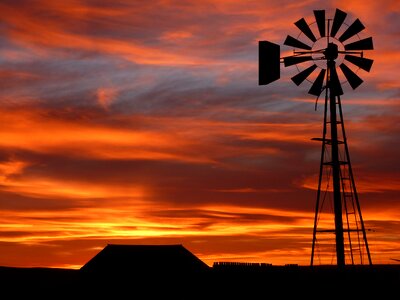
x: 144, y: 259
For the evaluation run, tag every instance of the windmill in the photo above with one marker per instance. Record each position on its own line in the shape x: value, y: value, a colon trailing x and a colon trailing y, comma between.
x: 320, y: 50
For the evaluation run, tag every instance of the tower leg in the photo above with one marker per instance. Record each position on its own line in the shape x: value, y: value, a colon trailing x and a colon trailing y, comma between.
x: 354, y: 184
x: 337, y: 199
x: 321, y: 169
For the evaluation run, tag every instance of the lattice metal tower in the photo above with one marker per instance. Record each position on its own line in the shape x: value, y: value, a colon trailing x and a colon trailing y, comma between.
x: 337, y: 43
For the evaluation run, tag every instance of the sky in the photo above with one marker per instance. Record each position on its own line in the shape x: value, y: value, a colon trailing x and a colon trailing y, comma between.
x: 142, y: 122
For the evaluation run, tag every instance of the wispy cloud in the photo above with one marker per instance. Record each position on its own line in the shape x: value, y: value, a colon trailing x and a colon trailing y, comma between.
x: 142, y: 122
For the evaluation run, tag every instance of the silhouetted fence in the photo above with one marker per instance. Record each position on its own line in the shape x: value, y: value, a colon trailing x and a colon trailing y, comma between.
x: 239, y: 265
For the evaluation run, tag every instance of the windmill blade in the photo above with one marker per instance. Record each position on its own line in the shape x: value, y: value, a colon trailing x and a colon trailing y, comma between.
x: 320, y: 18
x: 303, y: 26
x: 291, y: 41
x: 299, y: 78
x: 351, y: 77
x: 365, y: 44
x: 338, y: 20
x: 353, y: 29
x: 316, y: 88
x: 294, y: 60
x: 334, y: 83
x: 361, y: 62
x: 268, y: 62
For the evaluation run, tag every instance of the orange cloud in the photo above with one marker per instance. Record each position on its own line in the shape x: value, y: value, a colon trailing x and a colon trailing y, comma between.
x: 366, y: 184
x: 175, y: 139
x: 32, y: 131
x: 105, y: 96
x: 48, y: 32
x: 144, y: 124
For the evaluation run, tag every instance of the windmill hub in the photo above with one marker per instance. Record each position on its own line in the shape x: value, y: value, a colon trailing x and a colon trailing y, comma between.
x: 331, y: 52
x: 322, y: 52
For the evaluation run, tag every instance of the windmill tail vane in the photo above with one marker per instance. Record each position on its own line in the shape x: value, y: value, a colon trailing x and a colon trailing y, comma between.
x: 325, y: 51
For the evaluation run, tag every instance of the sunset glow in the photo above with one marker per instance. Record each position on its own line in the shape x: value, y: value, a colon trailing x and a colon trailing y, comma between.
x: 142, y: 122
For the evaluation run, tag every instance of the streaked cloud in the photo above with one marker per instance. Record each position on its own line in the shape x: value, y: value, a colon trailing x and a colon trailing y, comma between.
x: 142, y: 122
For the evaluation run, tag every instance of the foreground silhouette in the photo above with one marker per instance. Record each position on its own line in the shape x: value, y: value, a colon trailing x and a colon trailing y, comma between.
x: 173, y: 272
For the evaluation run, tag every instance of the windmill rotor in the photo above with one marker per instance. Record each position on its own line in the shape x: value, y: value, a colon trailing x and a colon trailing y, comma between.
x: 318, y: 43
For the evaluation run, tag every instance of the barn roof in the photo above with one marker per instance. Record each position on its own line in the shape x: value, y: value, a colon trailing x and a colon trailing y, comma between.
x: 144, y: 258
